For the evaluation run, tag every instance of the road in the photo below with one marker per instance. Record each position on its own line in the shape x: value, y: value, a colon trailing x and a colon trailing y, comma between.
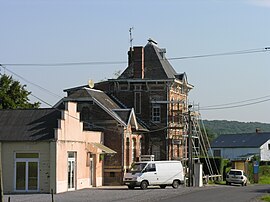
x: 208, y: 193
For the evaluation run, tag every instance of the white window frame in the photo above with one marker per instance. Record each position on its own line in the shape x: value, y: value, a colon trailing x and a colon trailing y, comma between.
x: 75, y: 169
x: 26, y: 160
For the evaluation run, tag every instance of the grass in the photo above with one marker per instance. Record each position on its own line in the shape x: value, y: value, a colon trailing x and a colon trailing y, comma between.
x: 265, y: 198
x: 264, y: 179
x: 220, y: 182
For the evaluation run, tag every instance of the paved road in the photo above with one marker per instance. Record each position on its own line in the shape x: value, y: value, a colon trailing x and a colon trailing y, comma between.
x: 208, y: 193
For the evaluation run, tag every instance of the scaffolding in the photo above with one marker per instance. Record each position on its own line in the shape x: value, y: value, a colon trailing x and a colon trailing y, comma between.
x: 194, y: 144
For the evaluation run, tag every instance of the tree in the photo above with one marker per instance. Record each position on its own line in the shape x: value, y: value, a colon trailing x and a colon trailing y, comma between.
x: 13, y: 95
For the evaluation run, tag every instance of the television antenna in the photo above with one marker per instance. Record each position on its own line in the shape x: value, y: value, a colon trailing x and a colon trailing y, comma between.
x: 130, y: 37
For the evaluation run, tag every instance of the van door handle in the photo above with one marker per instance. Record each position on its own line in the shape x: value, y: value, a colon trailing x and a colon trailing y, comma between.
x: 155, y: 173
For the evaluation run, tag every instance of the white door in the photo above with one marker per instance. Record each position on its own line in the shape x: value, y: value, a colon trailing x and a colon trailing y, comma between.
x: 71, y: 170
x: 91, y: 171
x: 150, y: 174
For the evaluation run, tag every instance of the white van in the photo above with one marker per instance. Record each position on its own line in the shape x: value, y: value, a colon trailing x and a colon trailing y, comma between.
x: 160, y: 173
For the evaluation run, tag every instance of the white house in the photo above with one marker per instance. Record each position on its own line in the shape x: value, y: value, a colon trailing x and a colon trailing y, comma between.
x: 242, y: 146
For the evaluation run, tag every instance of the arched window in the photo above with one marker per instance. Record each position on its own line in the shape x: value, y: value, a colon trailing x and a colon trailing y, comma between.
x: 127, y: 151
x: 133, y: 149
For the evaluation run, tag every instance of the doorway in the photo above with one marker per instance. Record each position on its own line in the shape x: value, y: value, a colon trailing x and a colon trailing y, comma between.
x: 71, y: 170
x: 26, y: 172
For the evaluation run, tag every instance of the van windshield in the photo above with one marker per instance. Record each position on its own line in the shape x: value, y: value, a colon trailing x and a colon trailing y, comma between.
x: 137, y: 167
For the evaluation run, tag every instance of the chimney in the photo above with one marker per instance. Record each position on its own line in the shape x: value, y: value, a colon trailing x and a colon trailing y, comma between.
x: 136, y: 61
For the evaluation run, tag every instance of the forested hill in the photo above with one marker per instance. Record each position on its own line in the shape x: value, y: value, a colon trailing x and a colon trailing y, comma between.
x: 218, y: 127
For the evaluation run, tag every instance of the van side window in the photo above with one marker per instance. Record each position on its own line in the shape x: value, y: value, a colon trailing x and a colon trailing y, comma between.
x: 151, y: 167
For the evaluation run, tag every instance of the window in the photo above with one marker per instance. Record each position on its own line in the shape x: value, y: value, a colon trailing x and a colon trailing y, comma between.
x: 127, y: 151
x: 85, y: 117
x: 141, y: 150
x: 156, y: 113
x: 156, y: 152
x: 137, y: 102
x: 217, y: 153
x: 133, y: 150
x: 26, y: 172
x: 151, y: 167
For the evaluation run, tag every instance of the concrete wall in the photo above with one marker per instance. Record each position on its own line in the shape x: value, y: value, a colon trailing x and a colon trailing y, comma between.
x: 8, y: 150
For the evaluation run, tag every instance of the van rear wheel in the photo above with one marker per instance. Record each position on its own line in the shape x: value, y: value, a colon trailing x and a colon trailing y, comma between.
x: 175, y: 184
x: 144, y: 185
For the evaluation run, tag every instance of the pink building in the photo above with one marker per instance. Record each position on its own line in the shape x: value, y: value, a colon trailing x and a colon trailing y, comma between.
x: 47, y: 149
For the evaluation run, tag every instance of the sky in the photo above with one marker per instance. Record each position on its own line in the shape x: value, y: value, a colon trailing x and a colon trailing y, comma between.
x: 66, y: 31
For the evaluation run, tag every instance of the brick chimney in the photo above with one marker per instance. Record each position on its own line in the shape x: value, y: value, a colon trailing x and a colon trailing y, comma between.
x: 136, y: 60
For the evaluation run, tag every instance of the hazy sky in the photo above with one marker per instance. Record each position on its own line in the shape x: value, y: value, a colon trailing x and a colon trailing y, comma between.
x: 65, y: 31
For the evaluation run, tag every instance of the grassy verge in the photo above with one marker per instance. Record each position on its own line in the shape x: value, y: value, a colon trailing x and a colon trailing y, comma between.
x: 265, y: 198
x: 264, y: 179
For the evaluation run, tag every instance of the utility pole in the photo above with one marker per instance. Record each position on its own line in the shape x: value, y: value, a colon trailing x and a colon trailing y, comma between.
x: 190, y: 150
x: 1, y: 179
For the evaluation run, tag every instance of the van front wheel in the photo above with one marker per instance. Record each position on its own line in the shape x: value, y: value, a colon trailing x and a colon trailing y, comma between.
x: 144, y: 185
x: 175, y: 184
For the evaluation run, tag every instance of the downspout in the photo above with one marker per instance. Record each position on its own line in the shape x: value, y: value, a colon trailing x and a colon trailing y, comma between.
x: 123, y: 153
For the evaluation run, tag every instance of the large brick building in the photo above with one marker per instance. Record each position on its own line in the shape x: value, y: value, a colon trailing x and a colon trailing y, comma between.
x: 158, y: 95
x: 122, y: 132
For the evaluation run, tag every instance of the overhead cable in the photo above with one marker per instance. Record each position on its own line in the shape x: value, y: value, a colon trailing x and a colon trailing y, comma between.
x: 235, y: 106
x: 240, y: 52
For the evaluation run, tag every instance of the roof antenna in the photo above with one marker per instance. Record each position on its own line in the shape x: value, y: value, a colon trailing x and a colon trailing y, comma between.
x: 130, y: 37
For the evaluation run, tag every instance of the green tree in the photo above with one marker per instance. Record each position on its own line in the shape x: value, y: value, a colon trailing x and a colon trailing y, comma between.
x: 13, y: 95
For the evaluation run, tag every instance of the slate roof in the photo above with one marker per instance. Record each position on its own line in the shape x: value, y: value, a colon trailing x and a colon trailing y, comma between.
x: 28, y: 124
x: 254, y: 140
x: 156, y: 66
x: 123, y: 114
x: 106, y: 103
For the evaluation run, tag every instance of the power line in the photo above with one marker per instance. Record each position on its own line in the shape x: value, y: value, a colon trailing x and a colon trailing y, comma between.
x: 40, y: 87
x: 240, y: 52
x: 45, y: 102
x: 65, y: 63
x: 238, y: 102
x: 235, y: 106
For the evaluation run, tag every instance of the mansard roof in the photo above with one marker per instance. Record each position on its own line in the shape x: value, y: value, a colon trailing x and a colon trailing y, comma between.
x: 156, y: 65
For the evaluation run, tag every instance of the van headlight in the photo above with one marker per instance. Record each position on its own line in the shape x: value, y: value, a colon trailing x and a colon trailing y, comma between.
x: 135, y: 178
